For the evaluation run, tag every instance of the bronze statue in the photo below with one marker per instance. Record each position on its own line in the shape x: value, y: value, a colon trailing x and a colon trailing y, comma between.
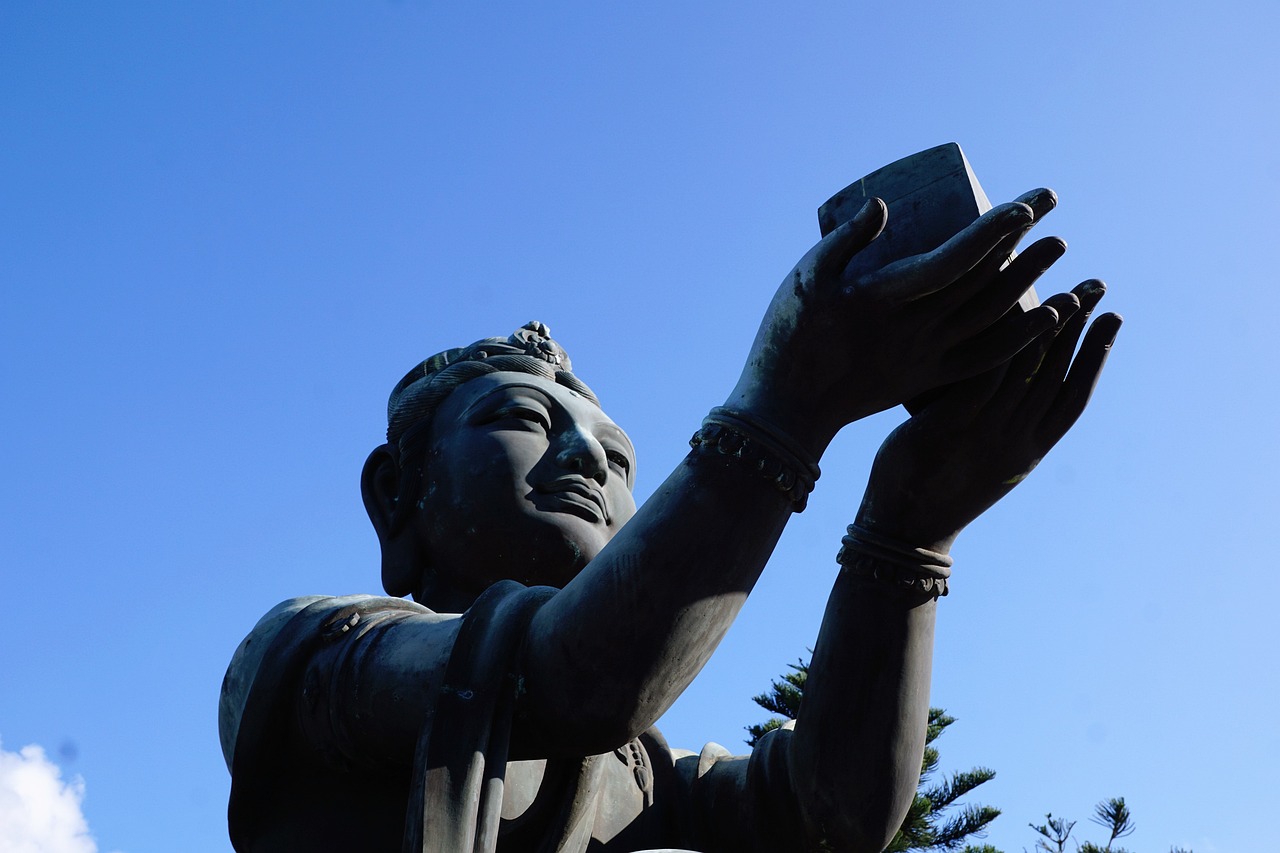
x: 509, y: 706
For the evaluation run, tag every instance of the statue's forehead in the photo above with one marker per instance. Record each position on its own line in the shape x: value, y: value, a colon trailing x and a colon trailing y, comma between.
x: 475, y: 390
x: 493, y: 382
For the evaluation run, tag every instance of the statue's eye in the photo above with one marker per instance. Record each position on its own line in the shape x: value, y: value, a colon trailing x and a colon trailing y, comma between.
x: 619, y: 461
x: 521, y: 414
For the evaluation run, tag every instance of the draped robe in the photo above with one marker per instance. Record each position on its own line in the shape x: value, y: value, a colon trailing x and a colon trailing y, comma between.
x: 298, y: 784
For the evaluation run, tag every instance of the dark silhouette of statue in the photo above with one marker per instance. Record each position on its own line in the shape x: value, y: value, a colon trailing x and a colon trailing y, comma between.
x: 509, y: 706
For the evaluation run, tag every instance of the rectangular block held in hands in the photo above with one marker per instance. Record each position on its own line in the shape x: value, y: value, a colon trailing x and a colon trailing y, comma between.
x: 931, y: 195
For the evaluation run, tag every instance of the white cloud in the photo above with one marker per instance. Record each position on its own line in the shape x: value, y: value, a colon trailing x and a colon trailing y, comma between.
x: 40, y: 813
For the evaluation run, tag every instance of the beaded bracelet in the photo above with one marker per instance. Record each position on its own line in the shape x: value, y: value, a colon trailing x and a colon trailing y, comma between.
x: 763, y: 448
x: 881, y: 559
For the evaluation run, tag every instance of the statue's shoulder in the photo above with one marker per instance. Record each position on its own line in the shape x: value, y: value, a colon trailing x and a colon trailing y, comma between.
x: 283, y: 631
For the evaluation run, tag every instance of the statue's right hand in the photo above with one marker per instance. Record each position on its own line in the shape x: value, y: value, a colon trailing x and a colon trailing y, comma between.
x: 848, y: 335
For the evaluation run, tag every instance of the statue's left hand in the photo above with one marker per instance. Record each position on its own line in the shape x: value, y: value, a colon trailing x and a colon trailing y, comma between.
x: 981, y: 437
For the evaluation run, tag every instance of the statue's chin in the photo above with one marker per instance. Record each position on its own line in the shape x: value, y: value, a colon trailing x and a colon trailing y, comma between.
x: 551, y: 553
x: 555, y: 558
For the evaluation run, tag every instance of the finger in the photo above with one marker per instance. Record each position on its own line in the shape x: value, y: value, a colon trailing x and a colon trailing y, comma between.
x: 1024, y: 366
x: 1053, y: 370
x: 981, y: 276
x: 1002, y: 341
x: 838, y: 248
x: 920, y: 275
x: 1082, y: 379
x: 978, y: 307
x: 1042, y: 201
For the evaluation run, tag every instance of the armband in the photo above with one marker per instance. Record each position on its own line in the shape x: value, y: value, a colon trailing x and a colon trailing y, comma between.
x: 763, y: 448
x: 882, y: 560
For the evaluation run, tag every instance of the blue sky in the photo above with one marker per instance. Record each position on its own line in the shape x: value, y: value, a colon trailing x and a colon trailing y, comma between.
x: 230, y: 228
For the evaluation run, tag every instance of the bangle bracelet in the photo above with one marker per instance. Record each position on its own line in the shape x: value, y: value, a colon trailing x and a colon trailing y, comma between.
x: 764, y: 448
x: 881, y: 559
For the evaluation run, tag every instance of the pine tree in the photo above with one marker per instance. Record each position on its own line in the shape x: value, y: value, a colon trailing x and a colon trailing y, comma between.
x: 1112, y: 815
x: 1056, y: 831
x: 782, y: 699
x: 927, y: 826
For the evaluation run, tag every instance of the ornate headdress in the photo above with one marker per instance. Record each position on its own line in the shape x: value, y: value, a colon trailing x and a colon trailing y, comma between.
x: 413, y: 399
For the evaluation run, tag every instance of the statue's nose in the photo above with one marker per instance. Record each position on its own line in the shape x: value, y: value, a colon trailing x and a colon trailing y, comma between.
x: 581, y: 453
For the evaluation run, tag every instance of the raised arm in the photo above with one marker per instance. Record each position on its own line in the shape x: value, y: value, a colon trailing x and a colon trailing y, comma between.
x: 840, y: 340
x: 855, y: 754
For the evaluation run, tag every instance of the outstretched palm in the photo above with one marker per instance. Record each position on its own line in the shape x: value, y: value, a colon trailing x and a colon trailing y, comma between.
x: 979, y: 438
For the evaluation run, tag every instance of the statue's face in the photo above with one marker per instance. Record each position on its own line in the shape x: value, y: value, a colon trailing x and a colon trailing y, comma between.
x: 525, y: 479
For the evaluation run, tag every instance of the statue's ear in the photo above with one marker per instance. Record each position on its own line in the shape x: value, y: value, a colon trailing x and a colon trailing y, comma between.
x: 402, y: 565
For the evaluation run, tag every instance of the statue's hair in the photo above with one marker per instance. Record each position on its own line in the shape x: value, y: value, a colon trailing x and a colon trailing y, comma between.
x: 529, y: 349
x: 411, y: 412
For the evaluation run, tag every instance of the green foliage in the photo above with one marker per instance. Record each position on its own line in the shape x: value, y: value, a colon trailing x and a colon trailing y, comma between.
x: 783, y: 698
x: 1112, y: 815
x: 933, y: 821
x: 1056, y: 831
x: 927, y: 825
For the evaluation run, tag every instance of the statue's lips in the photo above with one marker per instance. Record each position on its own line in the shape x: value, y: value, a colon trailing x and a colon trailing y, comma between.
x: 575, y: 495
